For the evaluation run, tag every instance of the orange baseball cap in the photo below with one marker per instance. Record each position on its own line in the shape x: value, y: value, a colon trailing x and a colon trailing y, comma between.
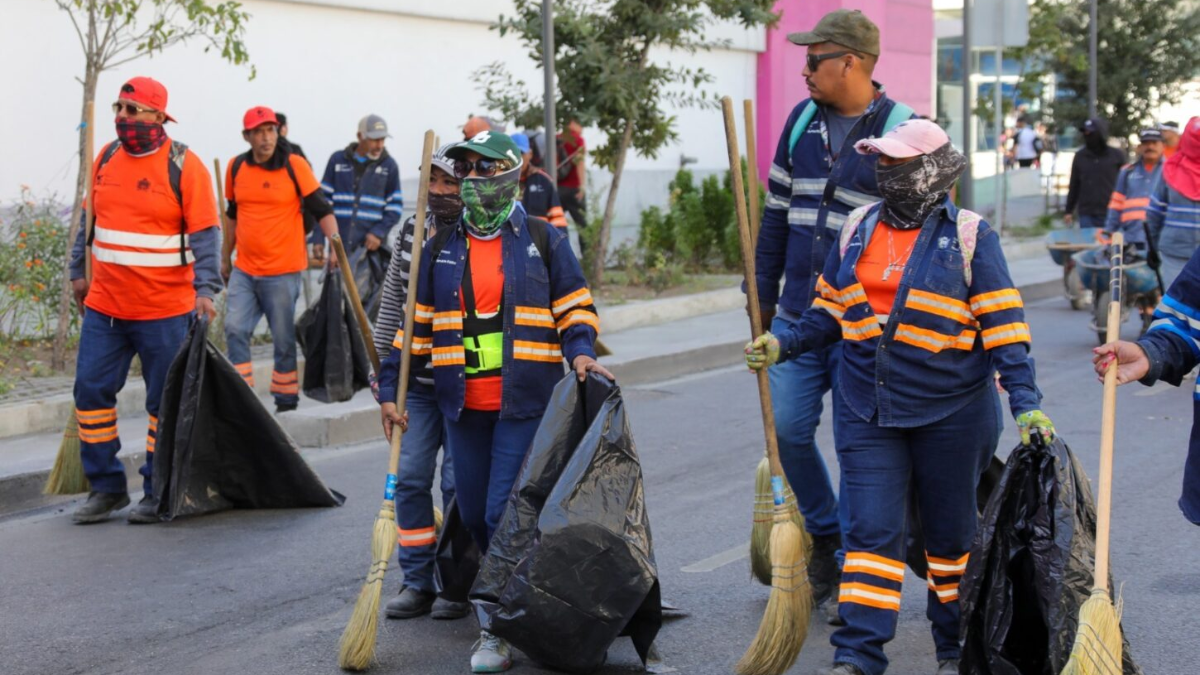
x: 148, y: 92
x: 258, y: 116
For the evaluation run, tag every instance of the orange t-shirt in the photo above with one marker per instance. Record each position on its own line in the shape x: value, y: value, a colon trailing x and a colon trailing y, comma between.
x: 487, y: 280
x: 270, y: 224
x: 136, y: 269
x: 873, y: 263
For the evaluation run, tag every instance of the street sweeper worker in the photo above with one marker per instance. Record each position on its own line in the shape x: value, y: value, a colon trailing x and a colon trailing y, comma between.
x: 816, y: 179
x: 1168, y: 351
x: 501, y: 304
x: 538, y: 195
x: 155, y: 265
x: 1130, y: 199
x: 1174, y: 211
x: 424, y: 428
x: 268, y: 189
x: 920, y: 296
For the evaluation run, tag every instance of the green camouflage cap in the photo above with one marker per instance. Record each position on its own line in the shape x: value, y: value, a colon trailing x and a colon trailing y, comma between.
x: 846, y: 27
x: 490, y: 144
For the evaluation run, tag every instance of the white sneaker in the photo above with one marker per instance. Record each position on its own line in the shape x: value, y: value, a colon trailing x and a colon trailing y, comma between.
x: 491, y: 654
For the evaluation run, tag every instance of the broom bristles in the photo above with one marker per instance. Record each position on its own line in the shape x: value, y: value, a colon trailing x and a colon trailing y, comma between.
x: 784, y: 625
x: 438, y: 520
x: 1098, y: 643
x: 66, y: 476
x: 357, y: 648
x: 764, y: 515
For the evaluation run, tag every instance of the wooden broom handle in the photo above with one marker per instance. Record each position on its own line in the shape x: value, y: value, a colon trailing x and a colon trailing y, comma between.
x: 89, y: 197
x: 752, y: 170
x: 360, y: 314
x: 1108, y: 420
x: 756, y: 329
x: 226, y: 240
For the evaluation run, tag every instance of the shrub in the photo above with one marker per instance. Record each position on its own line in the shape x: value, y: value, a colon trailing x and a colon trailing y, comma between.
x: 33, y: 260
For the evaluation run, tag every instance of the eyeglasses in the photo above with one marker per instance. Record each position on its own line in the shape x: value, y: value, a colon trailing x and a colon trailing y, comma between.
x: 814, y: 60
x: 483, y: 167
x: 130, y: 109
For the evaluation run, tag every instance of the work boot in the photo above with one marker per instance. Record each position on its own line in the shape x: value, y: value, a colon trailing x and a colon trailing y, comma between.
x: 449, y: 610
x: 947, y: 667
x: 829, y: 610
x: 99, y: 506
x: 824, y: 574
x: 492, y: 654
x: 146, y: 512
x: 411, y: 603
x: 285, y: 407
x: 842, y: 669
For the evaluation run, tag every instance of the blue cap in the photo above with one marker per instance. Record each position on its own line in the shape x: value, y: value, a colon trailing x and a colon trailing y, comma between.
x: 522, y: 142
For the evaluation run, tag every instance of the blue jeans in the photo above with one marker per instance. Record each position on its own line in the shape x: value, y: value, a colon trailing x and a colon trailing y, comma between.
x: 1091, y: 221
x: 942, y: 462
x: 249, y: 299
x: 414, y: 490
x: 797, y: 387
x: 106, y: 348
x: 488, y: 453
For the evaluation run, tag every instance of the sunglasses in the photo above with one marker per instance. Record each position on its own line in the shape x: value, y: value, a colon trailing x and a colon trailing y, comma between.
x: 483, y: 167
x: 130, y: 109
x: 814, y: 60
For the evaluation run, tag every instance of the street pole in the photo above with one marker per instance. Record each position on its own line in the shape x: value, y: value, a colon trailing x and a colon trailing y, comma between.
x: 550, y: 144
x: 998, y: 97
x: 1092, y: 59
x: 966, y: 187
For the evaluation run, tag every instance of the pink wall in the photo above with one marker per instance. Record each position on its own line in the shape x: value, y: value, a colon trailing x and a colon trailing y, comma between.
x: 905, y: 65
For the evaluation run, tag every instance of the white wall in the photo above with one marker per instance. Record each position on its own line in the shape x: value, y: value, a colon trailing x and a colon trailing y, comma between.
x: 325, y: 64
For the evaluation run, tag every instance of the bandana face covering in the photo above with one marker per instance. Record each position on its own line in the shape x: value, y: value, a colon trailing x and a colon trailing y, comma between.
x: 445, y: 207
x: 489, y: 201
x: 140, y: 138
x: 912, y: 190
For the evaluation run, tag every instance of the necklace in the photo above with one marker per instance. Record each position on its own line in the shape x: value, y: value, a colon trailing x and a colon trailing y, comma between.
x: 895, y: 263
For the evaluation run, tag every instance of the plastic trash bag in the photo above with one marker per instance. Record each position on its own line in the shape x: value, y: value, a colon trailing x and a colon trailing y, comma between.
x: 1031, y: 567
x: 335, y: 358
x: 457, y: 560
x: 571, y: 565
x: 218, y: 448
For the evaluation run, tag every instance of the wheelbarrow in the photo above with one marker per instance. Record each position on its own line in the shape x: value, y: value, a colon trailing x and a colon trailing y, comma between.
x: 1063, y: 245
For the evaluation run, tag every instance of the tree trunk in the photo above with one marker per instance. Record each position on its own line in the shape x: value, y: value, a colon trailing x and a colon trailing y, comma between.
x: 600, y: 252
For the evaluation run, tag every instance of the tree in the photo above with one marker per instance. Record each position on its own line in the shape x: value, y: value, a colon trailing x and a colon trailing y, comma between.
x: 1147, y: 51
x: 114, y: 32
x: 607, y: 79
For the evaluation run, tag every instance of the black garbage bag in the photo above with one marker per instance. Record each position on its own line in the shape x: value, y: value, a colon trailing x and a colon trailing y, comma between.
x: 457, y: 561
x: 571, y: 565
x: 1031, y: 567
x: 218, y: 448
x: 335, y: 358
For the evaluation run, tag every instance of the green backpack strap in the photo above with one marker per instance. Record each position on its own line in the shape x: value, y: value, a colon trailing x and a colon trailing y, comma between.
x: 899, y: 113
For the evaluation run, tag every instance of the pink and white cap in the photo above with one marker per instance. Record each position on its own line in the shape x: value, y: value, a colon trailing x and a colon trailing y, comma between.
x: 908, y: 139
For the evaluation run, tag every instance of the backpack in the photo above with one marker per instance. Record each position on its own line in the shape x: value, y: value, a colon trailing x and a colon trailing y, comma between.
x: 967, y: 224
x: 900, y: 113
x: 309, y: 220
x: 175, y: 159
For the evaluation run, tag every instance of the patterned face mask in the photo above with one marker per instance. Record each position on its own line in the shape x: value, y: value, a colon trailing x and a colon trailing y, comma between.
x: 140, y: 138
x: 490, y: 201
x: 912, y: 190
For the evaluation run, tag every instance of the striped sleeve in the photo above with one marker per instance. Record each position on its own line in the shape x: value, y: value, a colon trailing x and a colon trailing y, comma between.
x: 1173, y: 341
x: 770, y: 252
x: 571, y: 302
x: 821, y: 324
x: 395, y: 291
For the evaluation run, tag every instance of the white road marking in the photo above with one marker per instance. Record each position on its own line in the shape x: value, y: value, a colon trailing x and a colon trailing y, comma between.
x: 719, y: 560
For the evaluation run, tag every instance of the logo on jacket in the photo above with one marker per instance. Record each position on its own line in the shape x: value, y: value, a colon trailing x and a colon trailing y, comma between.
x: 266, y: 185
x: 533, y: 251
x: 342, y: 168
x: 381, y: 169
x: 535, y: 188
x: 944, y: 243
x: 143, y: 184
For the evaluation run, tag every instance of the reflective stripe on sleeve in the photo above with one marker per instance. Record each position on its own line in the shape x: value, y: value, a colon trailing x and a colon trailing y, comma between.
x: 1009, y: 333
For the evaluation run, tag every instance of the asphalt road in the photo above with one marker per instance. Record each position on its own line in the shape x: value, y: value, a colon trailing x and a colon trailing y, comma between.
x: 269, y: 592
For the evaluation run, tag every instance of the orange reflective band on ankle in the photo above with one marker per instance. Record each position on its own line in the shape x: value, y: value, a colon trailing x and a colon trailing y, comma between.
x: 284, y: 383
x: 877, y: 565
x: 100, y: 435
x: 424, y: 536
x: 947, y: 567
x: 871, y: 596
x: 150, y: 443
x: 945, y: 592
x: 246, y: 370
x: 96, y: 416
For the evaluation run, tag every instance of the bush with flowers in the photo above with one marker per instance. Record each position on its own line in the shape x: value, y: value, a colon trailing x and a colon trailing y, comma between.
x: 33, y: 260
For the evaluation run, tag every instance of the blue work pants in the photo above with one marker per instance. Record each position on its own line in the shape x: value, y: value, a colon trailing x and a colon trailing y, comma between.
x: 250, y: 298
x: 414, y: 490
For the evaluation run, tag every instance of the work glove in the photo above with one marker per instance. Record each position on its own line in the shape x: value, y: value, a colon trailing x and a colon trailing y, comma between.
x: 1035, y: 420
x: 762, y: 352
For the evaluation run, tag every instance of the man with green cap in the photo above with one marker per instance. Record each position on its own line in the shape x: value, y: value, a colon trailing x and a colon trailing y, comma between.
x: 816, y: 179
x: 501, y: 303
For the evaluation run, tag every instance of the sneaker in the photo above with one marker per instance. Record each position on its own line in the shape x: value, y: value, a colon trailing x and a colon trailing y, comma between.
x: 145, y: 512
x: 411, y: 603
x: 285, y: 407
x: 449, y: 610
x: 829, y: 610
x: 824, y: 574
x: 99, y: 506
x: 947, y: 667
x: 491, y: 655
x: 841, y: 669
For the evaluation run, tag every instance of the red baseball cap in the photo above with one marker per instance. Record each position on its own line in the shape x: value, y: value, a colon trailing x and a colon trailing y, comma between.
x: 258, y: 116
x: 148, y: 92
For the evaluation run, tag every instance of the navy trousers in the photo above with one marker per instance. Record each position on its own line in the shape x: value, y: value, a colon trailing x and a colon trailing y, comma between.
x: 414, y: 489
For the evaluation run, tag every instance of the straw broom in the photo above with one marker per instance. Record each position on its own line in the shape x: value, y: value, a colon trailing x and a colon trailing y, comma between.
x: 784, y: 625
x: 1098, y: 646
x: 66, y: 476
x: 357, y: 648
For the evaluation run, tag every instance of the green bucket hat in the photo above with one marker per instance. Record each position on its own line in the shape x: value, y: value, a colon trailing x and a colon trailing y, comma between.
x: 846, y: 27
x: 490, y: 144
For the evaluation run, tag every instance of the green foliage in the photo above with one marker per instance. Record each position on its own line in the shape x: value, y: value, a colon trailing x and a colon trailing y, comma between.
x: 33, y: 260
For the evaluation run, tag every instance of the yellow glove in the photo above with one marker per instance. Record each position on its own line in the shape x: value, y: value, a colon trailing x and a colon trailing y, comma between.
x: 762, y: 352
x: 1035, y: 420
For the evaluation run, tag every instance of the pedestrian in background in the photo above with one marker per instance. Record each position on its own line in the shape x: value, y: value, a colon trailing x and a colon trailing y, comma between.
x: 293, y: 146
x: 479, y: 123
x: 921, y: 298
x: 155, y: 265
x: 1174, y: 211
x: 1027, y: 145
x: 1170, y: 132
x: 538, y: 195
x: 816, y: 179
x: 572, y: 172
x: 422, y: 424
x: 1131, y: 197
x: 267, y: 189
x: 1093, y: 176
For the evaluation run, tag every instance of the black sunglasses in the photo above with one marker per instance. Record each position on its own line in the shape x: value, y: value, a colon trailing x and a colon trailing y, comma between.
x: 814, y: 60
x: 484, y: 167
x: 130, y: 109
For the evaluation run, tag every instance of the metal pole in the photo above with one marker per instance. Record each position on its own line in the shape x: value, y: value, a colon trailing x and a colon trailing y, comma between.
x: 1092, y: 60
x: 550, y: 149
x: 966, y: 186
x: 998, y: 95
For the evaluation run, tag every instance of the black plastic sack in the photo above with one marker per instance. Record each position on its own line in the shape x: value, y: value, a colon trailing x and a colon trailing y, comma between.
x: 1031, y: 567
x: 457, y: 561
x: 335, y: 359
x: 218, y: 448
x: 571, y: 566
